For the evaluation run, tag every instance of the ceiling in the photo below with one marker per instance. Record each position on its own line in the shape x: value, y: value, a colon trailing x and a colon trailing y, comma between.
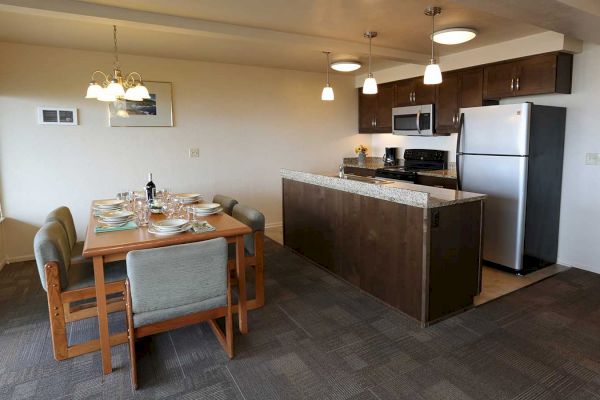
x: 273, y: 33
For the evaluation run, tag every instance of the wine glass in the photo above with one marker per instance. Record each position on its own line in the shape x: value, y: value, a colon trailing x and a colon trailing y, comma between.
x: 143, y: 215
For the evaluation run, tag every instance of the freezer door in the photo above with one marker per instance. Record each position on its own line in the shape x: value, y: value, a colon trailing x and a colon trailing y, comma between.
x: 502, y: 129
x: 504, y: 180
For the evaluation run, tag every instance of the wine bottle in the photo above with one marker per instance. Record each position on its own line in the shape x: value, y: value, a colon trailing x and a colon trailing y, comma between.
x: 150, y: 188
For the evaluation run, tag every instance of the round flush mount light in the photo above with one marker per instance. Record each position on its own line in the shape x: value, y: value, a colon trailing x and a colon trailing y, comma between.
x: 454, y: 35
x: 346, y: 65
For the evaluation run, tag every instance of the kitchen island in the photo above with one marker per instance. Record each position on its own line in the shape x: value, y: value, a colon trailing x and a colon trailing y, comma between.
x: 417, y: 248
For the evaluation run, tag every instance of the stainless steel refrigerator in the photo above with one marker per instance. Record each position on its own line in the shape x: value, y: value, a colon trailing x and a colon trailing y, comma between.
x: 514, y: 154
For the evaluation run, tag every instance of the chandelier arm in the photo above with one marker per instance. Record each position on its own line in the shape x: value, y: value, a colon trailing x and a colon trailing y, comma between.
x: 132, y: 77
x: 107, y: 78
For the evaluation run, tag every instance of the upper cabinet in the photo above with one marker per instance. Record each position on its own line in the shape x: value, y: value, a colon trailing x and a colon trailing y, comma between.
x: 375, y: 110
x: 410, y: 92
x: 542, y: 74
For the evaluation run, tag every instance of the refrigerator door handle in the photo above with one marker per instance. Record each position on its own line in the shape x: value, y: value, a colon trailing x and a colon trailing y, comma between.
x: 461, y: 122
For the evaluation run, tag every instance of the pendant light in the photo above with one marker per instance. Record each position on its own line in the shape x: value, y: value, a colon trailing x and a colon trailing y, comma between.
x: 433, y: 74
x: 327, y: 93
x: 370, y: 85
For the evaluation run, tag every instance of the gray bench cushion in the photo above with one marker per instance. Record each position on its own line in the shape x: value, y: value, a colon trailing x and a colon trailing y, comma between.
x: 64, y: 216
x: 166, y: 279
x: 77, y: 254
x: 51, y: 244
x: 226, y: 202
x: 82, y: 275
x: 254, y: 219
x: 150, y: 317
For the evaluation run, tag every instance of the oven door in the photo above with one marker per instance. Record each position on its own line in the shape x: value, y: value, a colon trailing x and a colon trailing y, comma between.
x: 413, y: 121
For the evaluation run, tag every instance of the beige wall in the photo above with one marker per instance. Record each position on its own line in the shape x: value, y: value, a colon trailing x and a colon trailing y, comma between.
x: 248, y: 123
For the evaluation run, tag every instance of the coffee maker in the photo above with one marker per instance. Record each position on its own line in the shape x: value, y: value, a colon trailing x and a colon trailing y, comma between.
x: 391, y: 156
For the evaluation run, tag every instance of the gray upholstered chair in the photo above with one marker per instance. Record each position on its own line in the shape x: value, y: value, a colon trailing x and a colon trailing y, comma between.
x: 175, y: 286
x: 64, y: 216
x: 254, y: 244
x: 226, y: 202
x: 66, y: 284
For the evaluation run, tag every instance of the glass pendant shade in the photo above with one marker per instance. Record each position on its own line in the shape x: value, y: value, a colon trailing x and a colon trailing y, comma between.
x: 142, y: 91
x: 94, y: 90
x: 133, y: 95
x: 115, y: 89
x: 370, y: 85
x: 105, y: 96
x: 327, y: 94
x: 433, y: 74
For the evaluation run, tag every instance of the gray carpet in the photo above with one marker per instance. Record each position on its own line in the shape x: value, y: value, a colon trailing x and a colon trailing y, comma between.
x: 318, y: 338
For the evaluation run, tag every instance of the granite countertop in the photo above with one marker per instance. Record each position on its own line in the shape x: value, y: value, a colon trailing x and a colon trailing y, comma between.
x: 396, y: 191
x: 377, y: 162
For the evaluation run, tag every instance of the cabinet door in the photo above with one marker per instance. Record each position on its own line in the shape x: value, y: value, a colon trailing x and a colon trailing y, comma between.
x: 446, y: 106
x: 536, y: 75
x: 404, y: 91
x: 423, y: 94
x: 385, y: 103
x: 498, y: 80
x: 367, y: 104
x: 471, y: 88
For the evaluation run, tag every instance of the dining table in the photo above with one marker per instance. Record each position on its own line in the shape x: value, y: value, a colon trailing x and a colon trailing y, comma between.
x: 106, y: 247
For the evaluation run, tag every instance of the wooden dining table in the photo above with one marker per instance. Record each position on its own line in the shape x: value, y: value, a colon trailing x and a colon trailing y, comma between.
x: 114, y: 246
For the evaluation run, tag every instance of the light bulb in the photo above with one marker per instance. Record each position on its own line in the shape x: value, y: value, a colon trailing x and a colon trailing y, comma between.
x: 115, y: 89
x: 370, y: 85
x: 433, y: 74
x: 327, y: 94
x: 94, y: 90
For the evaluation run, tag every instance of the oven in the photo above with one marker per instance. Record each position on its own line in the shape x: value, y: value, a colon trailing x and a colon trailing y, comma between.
x: 414, y: 120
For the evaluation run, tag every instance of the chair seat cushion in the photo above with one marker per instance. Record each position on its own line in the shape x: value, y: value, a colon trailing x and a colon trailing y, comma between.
x: 77, y: 254
x: 82, y: 275
x: 151, y: 317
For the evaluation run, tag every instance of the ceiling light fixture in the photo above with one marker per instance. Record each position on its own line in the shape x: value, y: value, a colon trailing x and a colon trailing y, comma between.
x: 346, y: 65
x: 327, y: 93
x: 117, y: 86
x: 370, y: 85
x: 433, y: 74
x: 454, y: 35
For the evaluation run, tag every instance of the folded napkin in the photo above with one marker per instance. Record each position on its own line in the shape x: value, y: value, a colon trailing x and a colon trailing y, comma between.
x: 202, y: 226
x: 127, y: 226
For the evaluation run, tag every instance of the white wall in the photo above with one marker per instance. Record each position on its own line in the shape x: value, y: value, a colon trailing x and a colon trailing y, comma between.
x: 580, y: 211
x: 247, y: 121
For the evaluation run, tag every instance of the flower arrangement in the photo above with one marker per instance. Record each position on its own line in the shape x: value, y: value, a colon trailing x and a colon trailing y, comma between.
x: 361, y: 149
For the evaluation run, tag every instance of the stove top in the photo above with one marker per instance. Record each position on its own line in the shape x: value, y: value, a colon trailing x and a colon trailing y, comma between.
x: 415, y: 160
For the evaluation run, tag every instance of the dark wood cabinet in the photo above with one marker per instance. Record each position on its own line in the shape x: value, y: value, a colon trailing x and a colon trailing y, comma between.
x: 471, y: 87
x: 436, y: 181
x: 375, y: 110
x: 447, y: 103
x: 540, y: 74
x: 410, y: 92
x: 404, y: 91
x: 360, y: 171
x: 423, y: 94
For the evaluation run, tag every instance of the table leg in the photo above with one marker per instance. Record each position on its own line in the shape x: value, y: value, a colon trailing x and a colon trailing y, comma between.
x: 240, y: 265
x: 102, y: 314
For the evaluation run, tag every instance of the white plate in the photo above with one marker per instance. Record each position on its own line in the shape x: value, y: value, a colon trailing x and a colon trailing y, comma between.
x: 116, y: 215
x: 188, y: 196
x: 206, y: 206
x: 115, y: 223
x: 205, y: 213
x: 170, y: 223
x: 109, y: 203
x: 168, y: 233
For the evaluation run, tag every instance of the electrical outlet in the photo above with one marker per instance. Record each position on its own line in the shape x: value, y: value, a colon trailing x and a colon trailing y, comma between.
x: 592, y: 158
x: 195, y: 152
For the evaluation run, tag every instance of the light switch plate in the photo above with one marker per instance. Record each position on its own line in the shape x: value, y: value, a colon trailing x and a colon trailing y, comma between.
x: 592, y: 158
x: 195, y: 152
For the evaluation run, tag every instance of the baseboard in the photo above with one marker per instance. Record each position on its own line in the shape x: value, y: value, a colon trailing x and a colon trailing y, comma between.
x: 274, y: 225
x: 27, y: 257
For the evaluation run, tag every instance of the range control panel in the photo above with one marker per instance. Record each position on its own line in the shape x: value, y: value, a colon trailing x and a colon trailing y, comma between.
x: 426, y: 155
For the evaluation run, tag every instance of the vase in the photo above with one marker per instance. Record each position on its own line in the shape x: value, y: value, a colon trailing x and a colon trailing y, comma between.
x: 362, y: 158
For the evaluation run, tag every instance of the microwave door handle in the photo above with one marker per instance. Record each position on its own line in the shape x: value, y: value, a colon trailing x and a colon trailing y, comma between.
x: 419, y: 121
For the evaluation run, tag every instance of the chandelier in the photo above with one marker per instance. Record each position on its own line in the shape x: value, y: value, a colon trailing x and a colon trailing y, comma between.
x: 107, y: 87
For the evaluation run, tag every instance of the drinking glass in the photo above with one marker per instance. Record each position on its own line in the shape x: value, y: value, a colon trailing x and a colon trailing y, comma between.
x: 191, y: 215
x: 143, y: 215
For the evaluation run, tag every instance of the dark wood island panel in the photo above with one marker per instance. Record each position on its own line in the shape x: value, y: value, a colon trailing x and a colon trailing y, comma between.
x: 425, y: 262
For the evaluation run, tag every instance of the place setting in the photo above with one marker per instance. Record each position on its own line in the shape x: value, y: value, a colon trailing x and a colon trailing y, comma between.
x: 115, y: 220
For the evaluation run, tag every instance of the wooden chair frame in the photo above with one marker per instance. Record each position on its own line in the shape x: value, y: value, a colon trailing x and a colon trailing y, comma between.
x: 224, y: 338
x: 257, y: 261
x: 61, y: 312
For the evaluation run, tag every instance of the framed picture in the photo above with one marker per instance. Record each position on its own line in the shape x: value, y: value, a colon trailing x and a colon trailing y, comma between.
x: 155, y: 111
x: 57, y: 116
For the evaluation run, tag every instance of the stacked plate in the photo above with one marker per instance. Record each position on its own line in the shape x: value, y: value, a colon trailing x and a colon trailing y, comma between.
x: 169, y: 227
x: 108, y: 205
x: 188, y: 198
x: 115, y: 218
x: 207, y: 209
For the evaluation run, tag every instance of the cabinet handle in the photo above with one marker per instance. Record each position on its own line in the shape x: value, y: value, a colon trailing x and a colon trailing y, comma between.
x: 414, y: 100
x: 372, y: 121
x: 518, y: 83
x: 512, y: 84
x: 410, y: 97
x: 375, y: 120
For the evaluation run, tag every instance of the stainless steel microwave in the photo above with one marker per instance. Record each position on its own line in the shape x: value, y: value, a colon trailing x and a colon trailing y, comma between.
x: 414, y: 120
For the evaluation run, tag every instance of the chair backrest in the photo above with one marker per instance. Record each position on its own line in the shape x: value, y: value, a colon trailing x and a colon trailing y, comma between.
x: 168, y: 277
x: 251, y: 217
x: 226, y: 202
x: 51, y: 244
x: 64, y: 216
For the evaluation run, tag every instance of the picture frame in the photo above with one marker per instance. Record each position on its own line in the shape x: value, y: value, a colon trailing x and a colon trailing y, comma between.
x: 57, y: 116
x: 154, y: 112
